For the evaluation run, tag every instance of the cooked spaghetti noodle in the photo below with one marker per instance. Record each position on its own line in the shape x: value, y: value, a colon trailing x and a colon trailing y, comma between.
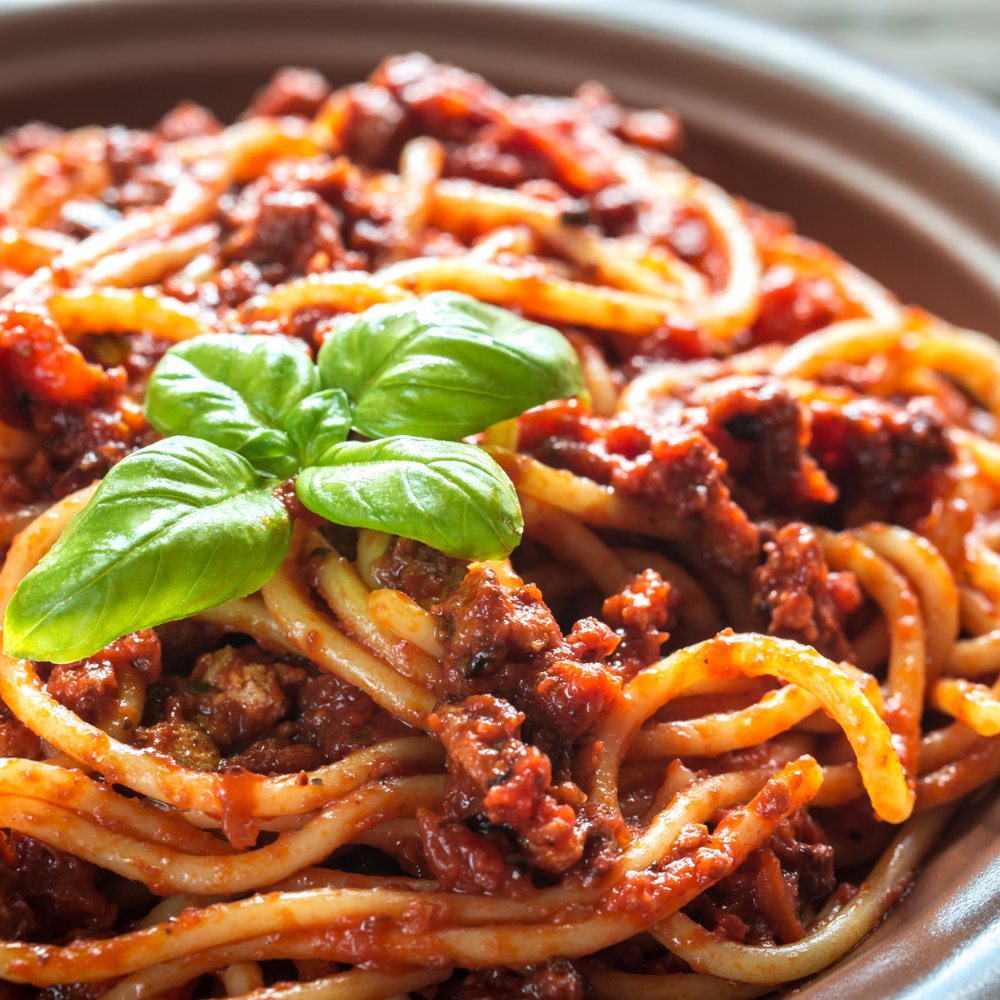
x: 746, y: 657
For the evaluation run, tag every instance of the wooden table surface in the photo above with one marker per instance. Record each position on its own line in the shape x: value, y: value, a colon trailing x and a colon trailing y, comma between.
x: 956, y: 41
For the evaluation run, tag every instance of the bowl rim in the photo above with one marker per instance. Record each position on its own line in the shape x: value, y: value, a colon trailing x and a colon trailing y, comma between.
x: 940, y: 114
x: 960, y: 127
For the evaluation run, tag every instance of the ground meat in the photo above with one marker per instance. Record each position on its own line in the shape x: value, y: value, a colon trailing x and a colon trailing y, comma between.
x: 466, y: 860
x: 282, y: 228
x: 883, y: 458
x: 505, y: 641
x: 557, y: 979
x: 277, y: 755
x: 47, y: 892
x: 666, y: 462
x: 658, y: 129
x: 502, y: 139
x: 238, y: 696
x: 795, y: 596
x: 81, y: 445
x: 678, y: 340
x: 762, y: 432
x: 339, y: 718
x: 761, y: 901
x: 424, y: 573
x: 511, y: 778
x: 188, y: 121
x: 291, y: 91
x: 638, y: 614
x: 140, y: 650
x: 185, y: 742
x: 90, y: 687
x: 793, y: 304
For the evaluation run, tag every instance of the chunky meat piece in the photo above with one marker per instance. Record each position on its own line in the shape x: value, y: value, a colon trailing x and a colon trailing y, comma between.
x: 90, y: 687
x: 795, y: 596
x: 424, y: 573
x: 188, y: 121
x: 291, y: 91
x: 339, y: 718
x: 80, y: 446
x: 512, y: 778
x: 497, y: 134
x: 761, y: 901
x: 372, y: 126
x: 277, y: 755
x: 556, y: 979
x: 47, y: 891
x: 666, y: 462
x: 185, y: 742
x: 233, y: 698
x: 466, y: 860
x: 883, y: 458
x: 793, y: 304
x: 658, y: 129
x: 505, y: 641
x: 283, y: 229
x: 491, y: 623
x: 638, y: 613
x: 678, y: 340
x: 238, y: 696
x: 762, y: 432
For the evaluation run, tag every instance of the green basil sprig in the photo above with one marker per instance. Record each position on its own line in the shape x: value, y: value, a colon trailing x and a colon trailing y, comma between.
x: 446, y: 368
x: 449, y: 495
x: 252, y: 395
x: 193, y: 520
x: 178, y: 527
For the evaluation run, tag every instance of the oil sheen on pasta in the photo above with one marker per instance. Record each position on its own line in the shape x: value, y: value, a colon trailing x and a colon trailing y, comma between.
x: 691, y: 740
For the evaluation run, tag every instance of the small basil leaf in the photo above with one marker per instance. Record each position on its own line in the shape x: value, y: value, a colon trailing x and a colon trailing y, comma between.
x: 451, y: 496
x: 319, y: 422
x: 173, y: 529
x: 445, y: 366
x: 236, y: 392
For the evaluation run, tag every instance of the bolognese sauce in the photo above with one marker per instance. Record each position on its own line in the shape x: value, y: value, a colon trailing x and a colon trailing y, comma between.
x: 750, y: 629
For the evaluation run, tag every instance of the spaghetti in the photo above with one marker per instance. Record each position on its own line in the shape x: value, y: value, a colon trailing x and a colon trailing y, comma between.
x: 745, y: 657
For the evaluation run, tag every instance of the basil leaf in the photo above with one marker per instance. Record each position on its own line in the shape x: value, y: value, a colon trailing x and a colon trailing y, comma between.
x: 445, y: 366
x: 173, y: 529
x: 319, y: 422
x: 235, y: 391
x: 451, y: 496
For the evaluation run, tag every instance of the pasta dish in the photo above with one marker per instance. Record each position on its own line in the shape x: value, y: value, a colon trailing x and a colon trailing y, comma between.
x: 452, y: 550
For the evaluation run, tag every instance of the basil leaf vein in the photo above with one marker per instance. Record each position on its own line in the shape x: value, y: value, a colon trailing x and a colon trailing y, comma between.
x: 178, y: 527
x: 449, y: 495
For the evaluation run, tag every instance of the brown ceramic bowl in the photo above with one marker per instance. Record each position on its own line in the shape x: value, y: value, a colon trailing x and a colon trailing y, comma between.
x: 901, y: 178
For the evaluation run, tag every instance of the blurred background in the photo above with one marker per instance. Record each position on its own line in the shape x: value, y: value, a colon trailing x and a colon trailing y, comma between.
x: 954, y: 41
